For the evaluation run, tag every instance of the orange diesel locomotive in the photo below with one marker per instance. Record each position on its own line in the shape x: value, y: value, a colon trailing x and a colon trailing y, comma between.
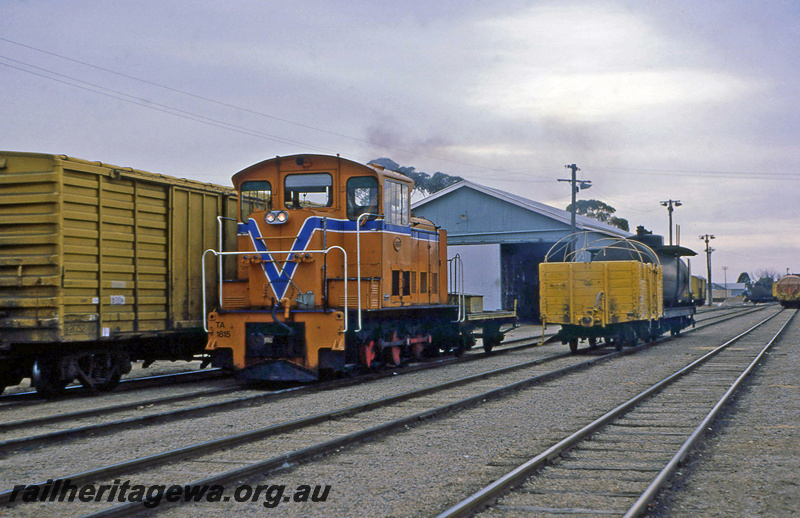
x: 334, y: 274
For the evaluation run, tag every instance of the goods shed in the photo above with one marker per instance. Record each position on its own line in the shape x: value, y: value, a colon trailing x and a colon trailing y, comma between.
x: 501, y: 239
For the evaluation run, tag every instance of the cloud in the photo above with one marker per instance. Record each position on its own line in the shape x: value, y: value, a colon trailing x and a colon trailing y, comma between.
x: 595, y: 63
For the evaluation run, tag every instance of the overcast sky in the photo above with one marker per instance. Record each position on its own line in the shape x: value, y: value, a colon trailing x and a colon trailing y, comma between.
x: 691, y: 100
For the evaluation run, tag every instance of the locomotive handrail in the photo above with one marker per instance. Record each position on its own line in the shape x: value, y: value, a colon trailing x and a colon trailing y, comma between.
x: 358, y: 262
x: 456, y: 279
x: 219, y: 263
x: 218, y: 254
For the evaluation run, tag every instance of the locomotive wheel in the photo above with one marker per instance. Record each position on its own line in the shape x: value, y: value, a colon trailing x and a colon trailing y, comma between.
x: 459, y: 346
x: 593, y: 343
x: 418, y: 349
x: 46, y: 377
x: 100, y: 371
x: 573, y: 345
x: 367, y: 353
x: 393, y: 355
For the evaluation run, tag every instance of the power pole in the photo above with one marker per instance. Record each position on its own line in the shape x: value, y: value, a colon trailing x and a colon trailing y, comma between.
x: 584, y: 184
x: 707, y: 238
x: 669, y: 204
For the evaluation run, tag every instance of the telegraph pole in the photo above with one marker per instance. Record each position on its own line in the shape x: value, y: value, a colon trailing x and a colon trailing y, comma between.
x: 669, y: 204
x: 584, y: 184
x: 707, y: 238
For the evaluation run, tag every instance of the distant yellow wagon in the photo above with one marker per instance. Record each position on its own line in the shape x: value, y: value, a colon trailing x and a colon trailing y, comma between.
x: 699, y: 289
x: 787, y: 291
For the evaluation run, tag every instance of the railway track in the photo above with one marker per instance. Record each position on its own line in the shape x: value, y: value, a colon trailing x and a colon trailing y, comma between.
x: 10, y: 399
x: 617, y: 464
x: 471, y: 390
x: 507, y: 380
x: 124, y: 385
x: 227, y: 398
x: 146, y: 412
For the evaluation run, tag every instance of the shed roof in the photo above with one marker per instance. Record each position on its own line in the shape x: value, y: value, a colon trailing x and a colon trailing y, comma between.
x: 581, y: 222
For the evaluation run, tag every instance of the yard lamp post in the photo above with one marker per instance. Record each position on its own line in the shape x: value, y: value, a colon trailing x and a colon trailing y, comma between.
x: 707, y: 238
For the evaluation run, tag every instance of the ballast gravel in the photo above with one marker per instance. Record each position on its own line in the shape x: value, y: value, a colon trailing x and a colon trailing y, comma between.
x: 432, y: 466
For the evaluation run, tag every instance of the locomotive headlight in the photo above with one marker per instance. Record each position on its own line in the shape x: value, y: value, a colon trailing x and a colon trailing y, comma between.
x: 276, y: 217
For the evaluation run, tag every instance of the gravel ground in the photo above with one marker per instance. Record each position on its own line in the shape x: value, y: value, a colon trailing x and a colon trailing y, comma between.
x: 80, y: 455
x: 751, y: 464
x: 432, y: 466
x: 416, y: 473
x: 42, y: 463
x: 38, y: 409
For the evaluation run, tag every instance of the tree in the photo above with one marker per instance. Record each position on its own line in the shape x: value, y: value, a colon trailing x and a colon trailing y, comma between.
x: 600, y: 211
x: 423, y: 182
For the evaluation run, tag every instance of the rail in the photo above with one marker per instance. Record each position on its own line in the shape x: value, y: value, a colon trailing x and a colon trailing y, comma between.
x: 271, y: 252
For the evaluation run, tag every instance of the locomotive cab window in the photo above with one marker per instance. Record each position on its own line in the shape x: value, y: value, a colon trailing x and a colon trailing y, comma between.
x: 302, y: 191
x: 362, y: 196
x: 396, y: 203
x: 255, y: 196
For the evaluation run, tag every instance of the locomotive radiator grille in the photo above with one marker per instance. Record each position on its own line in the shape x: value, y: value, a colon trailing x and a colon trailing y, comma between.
x: 275, y: 340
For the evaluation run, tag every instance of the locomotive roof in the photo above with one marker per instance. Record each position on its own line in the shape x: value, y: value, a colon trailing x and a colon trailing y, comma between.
x: 317, y: 162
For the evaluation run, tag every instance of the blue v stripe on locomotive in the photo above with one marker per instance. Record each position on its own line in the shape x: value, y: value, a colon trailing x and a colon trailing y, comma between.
x: 280, y: 279
x: 277, y: 279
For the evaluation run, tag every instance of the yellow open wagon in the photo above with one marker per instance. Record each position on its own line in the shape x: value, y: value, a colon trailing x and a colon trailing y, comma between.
x: 615, y: 289
x: 593, y: 299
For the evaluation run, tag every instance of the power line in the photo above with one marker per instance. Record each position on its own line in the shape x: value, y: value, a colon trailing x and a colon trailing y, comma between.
x: 525, y: 173
x: 745, y: 175
x: 232, y: 106
x: 154, y: 105
x: 182, y: 92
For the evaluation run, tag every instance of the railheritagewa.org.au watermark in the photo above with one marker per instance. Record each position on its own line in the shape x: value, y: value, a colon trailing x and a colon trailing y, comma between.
x: 153, y: 495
